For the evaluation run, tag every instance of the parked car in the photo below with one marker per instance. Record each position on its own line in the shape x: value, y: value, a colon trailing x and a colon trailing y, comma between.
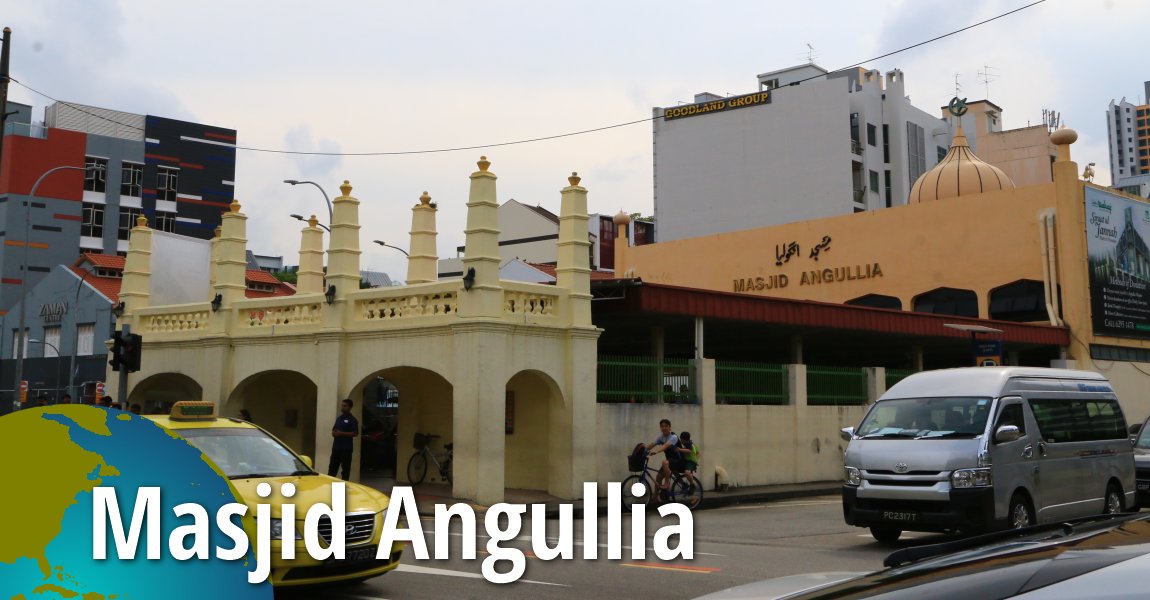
x: 1105, y: 557
x: 1142, y: 465
x: 982, y: 448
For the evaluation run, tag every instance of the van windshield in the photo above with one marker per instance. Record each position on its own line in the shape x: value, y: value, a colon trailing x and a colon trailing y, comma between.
x: 1143, y: 438
x: 926, y: 418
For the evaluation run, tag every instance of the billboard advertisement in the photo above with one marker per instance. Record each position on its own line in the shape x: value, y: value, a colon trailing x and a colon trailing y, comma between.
x: 1116, y: 232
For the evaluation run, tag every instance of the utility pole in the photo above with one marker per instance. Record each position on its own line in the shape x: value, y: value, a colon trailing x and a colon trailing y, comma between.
x: 7, y: 43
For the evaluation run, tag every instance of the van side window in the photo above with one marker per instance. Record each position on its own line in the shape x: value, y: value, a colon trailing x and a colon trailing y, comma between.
x: 1012, y: 415
x: 1077, y: 420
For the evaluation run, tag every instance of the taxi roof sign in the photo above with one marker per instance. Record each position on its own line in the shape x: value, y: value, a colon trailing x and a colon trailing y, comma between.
x: 193, y: 410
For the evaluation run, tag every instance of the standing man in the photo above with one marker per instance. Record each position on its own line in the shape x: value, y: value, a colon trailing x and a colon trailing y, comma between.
x: 346, y: 427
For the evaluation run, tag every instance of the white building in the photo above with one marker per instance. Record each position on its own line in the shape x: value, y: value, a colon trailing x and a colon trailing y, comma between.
x: 1128, y: 131
x: 809, y: 144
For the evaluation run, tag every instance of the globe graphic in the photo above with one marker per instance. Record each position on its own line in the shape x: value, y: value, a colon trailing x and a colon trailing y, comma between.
x: 54, y: 457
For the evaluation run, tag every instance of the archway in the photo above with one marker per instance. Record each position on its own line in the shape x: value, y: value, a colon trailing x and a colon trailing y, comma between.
x: 282, y: 402
x: 535, y: 422
x: 159, y: 392
x: 394, y: 404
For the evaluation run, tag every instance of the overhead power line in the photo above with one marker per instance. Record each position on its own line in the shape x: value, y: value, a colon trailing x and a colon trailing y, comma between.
x: 547, y: 137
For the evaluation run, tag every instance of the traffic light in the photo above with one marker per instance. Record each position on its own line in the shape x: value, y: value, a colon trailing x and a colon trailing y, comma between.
x: 133, y: 343
x: 126, y: 352
x: 117, y: 351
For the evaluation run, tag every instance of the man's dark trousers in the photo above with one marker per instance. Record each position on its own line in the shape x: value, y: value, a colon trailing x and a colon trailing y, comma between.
x: 340, y: 459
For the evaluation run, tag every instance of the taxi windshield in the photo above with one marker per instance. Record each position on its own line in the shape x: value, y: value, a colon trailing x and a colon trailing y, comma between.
x: 945, y: 417
x: 246, y: 453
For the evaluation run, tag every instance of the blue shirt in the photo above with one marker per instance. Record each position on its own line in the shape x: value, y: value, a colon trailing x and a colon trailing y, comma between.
x: 347, y: 424
x: 670, y: 438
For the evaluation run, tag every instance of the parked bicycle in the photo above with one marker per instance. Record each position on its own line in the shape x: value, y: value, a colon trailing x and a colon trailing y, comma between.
x: 683, y: 490
x: 417, y: 465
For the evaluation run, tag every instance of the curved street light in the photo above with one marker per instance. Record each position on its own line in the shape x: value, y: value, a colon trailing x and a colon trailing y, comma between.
x: 20, y: 334
x: 300, y: 218
x: 330, y: 216
x: 394, y: 247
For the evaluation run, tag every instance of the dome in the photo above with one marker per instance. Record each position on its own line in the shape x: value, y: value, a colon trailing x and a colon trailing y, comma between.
x: 959, y: 173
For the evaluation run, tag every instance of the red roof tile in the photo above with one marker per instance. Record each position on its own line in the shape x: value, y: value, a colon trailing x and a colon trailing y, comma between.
x: 549, y: 269
x: 258, y: 276
x: 108, y: 286
x: 107, y: 261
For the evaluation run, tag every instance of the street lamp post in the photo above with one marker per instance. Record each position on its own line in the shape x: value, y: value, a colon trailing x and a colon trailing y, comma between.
x: 57, y: 351
x: 393, y: 247
x: 20, y: 335
x: 300, y: 218
x: 330, y: 213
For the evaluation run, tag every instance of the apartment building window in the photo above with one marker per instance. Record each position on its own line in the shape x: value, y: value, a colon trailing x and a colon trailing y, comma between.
x: 95, y: 170
x: 85, y: 337
x: 874, y: 182
x: 886, y: 143
x: 915, y: 151
x: 889, y: 194
x: 51, y: 341
x: 131, y: 179
x: 871, y: 135
x: 165, y: 221
x: 127, y: 222
x: 855, y: 142
x: 941, y: 153
x: 92, y: 220
x: 167, y: 179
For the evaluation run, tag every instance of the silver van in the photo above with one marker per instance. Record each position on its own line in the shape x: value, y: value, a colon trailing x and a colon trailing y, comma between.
x: 987, y: 447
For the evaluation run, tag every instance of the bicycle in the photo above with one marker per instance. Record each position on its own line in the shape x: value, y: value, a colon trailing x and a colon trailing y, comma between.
x: 417, y: 465
x: 681, y: 490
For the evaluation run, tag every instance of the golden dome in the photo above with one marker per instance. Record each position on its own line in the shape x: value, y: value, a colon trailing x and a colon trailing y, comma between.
x: 959, y: 173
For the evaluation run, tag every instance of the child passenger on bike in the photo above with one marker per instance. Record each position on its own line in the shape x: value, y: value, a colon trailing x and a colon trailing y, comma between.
x: 688, y: 457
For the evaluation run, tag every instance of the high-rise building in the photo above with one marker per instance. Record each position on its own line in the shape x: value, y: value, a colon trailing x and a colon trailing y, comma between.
x: 1128, y: 131
x: 808, y: 144
x: 178, y: 174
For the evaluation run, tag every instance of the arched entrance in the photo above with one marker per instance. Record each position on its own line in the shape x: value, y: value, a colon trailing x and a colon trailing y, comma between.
x: 535, y: 427
x: 282, y: 402
x: 159, y: 392
x: 396, y: 403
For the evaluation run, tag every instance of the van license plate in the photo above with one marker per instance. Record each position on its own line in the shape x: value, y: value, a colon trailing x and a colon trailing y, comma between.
x: 1143, y: 486
x: 892, y: 515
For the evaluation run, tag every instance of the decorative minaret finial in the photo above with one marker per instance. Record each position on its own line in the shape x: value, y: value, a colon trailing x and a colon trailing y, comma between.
x: 345, y: 189
x: 483, y: 163
x: 425, y: 199
x: 312, y: 222
x: 234, y: 206
x: 574, y: 179
x: 141, y: 221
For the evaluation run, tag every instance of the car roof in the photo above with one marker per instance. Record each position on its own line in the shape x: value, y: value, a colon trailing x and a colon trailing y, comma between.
x: 976, y: 381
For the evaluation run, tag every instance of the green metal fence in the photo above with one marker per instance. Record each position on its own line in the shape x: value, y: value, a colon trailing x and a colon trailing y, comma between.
x: 836, y: 386
x: 894, y: 376
x: 645, y: 380
x: 750, y: 383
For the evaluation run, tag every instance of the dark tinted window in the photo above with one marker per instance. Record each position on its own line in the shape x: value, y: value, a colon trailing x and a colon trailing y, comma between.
x: 1067, y: 420
x: 1012, y: 415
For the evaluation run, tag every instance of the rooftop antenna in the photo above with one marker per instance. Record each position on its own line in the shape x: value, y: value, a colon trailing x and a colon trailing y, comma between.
x: 810, y: 54
x: 985, y: 77
x: 957, y: 86
x: 1052, y: 119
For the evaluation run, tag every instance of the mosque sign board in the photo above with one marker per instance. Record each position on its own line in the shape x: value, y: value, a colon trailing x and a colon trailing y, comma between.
x: 1119, y: 262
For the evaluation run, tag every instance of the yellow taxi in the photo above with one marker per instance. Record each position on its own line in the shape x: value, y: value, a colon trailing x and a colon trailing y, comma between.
x: 248, y: 456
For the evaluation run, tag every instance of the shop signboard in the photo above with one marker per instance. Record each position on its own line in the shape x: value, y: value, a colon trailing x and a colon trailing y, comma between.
x: 1117, y: 228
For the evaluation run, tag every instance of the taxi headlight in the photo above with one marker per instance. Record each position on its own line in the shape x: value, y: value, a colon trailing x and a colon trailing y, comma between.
x: 277, y: 526
x: 851, y: 476
x: 971, y: 478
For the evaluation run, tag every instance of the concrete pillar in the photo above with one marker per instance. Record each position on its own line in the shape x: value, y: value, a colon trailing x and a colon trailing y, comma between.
x: 423, y: 263
x: 622, y: 241
x: 797, y: 390
x: 797, y: 385
x: 485, y: 298
x: 309, y: 278
x: 917, y: 359
x: 231, y: 256
x: 136, y: 287
x: 875, y: 383
x: 797, y: 349
x: 708, y: 419
x: 1073, y: 268
x: 343, y: 252
x: 213, y: 257
x: 580, y: 375
x: 478, y: 409
x: 573, y: 268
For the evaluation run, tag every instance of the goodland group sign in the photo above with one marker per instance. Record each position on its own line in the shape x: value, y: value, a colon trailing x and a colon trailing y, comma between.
x: 1116, y: 232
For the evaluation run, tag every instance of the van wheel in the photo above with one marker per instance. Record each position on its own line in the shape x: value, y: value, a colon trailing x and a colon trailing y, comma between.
x: 885, y: 534
x: 1020, y: 514
x: 1113, y: 500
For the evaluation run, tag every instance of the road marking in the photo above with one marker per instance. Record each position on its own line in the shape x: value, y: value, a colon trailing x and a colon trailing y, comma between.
x: 684, y: 568
x: 450, y: 573
x: 778, y: 505
x: 551, y: 540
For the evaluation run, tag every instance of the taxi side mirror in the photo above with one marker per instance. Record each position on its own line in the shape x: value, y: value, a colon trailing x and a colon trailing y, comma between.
x: 846, y: 433
x: 307, y: 461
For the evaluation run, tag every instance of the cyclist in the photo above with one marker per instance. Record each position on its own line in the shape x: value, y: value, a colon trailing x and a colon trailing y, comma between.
x: 689, y: 454
x: 665, y: 443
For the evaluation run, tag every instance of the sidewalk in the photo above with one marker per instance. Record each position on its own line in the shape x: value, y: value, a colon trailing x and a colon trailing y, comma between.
x: 427, y: 495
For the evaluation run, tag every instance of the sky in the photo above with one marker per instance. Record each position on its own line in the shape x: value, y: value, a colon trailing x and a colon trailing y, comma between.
x: 359, y: 77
